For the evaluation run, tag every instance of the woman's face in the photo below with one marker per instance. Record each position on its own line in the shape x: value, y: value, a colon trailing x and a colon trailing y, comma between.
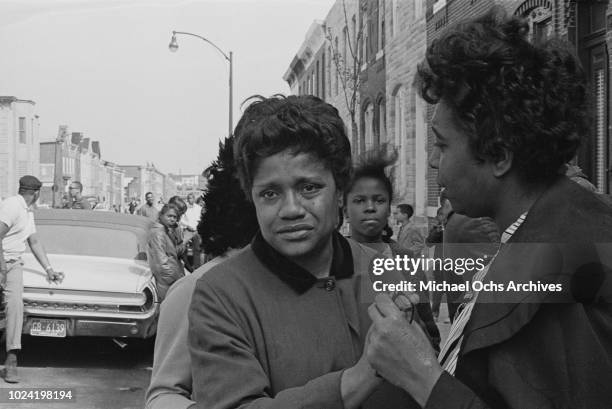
x: 367, y: 209
x: 169, y: 219
x: 297, y: 203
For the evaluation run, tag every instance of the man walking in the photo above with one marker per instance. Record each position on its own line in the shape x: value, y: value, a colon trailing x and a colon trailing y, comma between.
x: 17, y: 227
x: 77, y: 201
x: 148, y: 209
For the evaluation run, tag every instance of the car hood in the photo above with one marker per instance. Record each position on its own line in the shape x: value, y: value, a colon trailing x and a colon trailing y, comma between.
x: 87, y: 273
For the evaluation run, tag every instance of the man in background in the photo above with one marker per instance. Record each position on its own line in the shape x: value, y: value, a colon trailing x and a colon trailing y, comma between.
x: 77, y: 201
x: 148, y: 209
x: 189, y: 222
x: 409, y: 235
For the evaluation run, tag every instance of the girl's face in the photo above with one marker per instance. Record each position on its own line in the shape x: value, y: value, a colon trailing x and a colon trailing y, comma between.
x: 169, y: 219
x: 367, y: 209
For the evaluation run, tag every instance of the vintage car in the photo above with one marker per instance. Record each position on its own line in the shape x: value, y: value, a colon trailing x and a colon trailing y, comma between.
x: 108, y: 289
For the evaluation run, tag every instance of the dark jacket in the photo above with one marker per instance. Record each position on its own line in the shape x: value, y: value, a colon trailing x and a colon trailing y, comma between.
x: 265, y: 333
x: 466, y: 238
x: 542, y: 349
x: 164, y: 258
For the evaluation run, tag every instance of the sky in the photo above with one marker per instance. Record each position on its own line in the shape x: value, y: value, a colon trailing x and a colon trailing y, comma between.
x: 103, y: 68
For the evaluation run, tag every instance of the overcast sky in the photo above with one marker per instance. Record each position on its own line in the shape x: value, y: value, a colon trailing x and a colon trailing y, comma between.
x: 103, y: 68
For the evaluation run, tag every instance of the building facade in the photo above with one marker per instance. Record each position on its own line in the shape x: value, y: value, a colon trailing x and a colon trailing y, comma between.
x: 186, y: 184
x: 141, y: 179
x: 71, y: 157
x: 327, y: 64
x: 405, y: 44
x: 372, y: 92
x: 386, y: 40
x: 19, y: 143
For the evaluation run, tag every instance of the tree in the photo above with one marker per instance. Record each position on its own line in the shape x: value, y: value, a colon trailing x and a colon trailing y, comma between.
x: 348, y: 64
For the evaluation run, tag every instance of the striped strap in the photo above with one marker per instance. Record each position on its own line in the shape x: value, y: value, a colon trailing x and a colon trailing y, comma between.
x: 450, y: 351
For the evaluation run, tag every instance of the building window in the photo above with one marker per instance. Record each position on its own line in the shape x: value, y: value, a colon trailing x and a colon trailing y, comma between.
x: 394, y: 22
x: 368, y: 122
x: 540, y: 24
x: 365, y: 40
x: 329, y: 70
x: 382, y: 121
x: 317, y: 83
x: 323, y: 76
x: 400, y: 138
x: 312, y: 83
x: 22, y: 130
x: 418, y: 8
x: 381, y: 24
x: 337, y: 65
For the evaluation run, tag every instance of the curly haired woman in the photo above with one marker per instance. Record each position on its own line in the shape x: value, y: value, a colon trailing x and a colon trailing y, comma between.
x: 508, y: 117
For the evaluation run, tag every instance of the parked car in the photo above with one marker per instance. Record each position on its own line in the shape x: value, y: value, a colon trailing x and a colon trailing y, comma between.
x: 108, y: 288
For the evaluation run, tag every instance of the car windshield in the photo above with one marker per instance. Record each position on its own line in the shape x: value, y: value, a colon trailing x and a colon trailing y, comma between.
x: 90, y: 241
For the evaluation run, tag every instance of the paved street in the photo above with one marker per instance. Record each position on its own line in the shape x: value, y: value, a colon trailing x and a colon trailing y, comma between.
x: 101, y: 374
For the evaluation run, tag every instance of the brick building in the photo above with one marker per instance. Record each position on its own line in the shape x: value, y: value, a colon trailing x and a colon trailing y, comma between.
x: 405, y: 43
x: 140, y: 179
x: 326, y: 56
x: 71, y: 157
x: 372, y: 90
x: 387, y: 109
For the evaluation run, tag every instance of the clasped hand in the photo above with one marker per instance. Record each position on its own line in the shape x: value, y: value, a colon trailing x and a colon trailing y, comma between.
x: 399, y: 350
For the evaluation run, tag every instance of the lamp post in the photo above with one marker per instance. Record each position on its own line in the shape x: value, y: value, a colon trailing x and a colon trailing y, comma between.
x: 173, y: 46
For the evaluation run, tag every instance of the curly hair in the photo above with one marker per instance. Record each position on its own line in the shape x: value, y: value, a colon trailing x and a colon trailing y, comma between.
x: 229, y: 220
x: 300, y: 124
x: 528, y: 99
x: 372, y: 164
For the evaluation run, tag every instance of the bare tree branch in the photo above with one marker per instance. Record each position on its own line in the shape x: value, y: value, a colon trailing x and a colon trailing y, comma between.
x: 348, y: 72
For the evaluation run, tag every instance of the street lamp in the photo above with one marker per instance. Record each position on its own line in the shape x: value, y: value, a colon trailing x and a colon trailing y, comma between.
x: 173, y: 46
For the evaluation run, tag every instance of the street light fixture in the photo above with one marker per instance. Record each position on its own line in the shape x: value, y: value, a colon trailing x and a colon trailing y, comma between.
x: 173, y: 46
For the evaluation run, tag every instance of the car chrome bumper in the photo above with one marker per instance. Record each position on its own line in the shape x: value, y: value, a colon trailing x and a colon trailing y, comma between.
x: 100, y: 327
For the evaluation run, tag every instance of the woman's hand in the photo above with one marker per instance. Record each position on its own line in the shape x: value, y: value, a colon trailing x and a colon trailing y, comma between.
x: 400, y: 351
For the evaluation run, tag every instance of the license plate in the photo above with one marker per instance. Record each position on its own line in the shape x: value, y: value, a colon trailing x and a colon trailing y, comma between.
x: 48, y: 328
